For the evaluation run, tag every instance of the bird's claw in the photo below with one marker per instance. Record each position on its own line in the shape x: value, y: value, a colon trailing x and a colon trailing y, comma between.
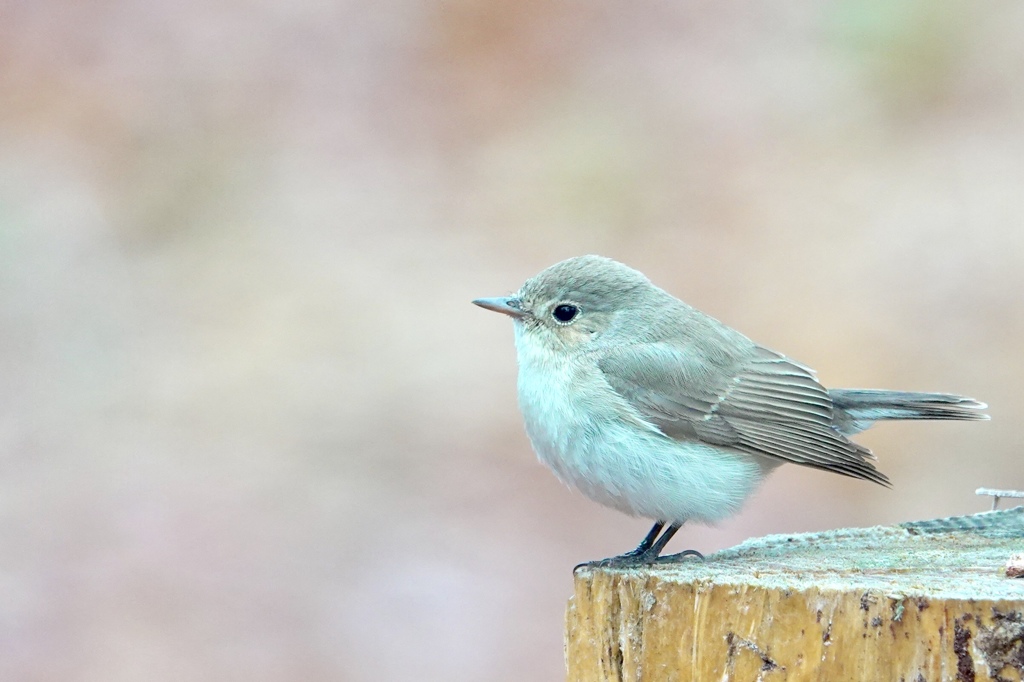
x: 674, y: 558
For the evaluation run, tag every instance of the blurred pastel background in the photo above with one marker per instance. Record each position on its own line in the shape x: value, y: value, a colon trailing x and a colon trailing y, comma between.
x: 251, y: 427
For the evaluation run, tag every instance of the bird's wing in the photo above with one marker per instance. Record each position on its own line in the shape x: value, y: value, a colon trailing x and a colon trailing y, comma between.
x: 755, y: 401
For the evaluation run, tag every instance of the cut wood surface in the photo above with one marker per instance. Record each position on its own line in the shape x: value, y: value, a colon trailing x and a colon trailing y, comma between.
x: 916, y: 602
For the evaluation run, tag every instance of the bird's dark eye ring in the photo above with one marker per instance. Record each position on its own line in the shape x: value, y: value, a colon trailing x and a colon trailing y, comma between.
x: 565, y: 313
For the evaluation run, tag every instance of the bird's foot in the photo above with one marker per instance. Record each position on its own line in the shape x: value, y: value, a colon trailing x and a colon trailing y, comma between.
x: 647, y: 552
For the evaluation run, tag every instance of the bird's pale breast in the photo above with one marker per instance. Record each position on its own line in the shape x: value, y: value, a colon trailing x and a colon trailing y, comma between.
x: 596, y: 442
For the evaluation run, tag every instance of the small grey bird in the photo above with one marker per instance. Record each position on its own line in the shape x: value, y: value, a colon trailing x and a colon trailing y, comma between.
x: 653, y: 408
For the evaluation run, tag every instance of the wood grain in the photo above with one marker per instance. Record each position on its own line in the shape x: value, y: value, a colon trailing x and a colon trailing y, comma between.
x: 915, y: 602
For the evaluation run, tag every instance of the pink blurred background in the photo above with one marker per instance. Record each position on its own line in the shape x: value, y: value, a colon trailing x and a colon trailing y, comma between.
x: 252, y: 429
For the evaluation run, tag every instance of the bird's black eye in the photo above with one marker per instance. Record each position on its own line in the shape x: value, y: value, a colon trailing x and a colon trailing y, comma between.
x: 565, y: 312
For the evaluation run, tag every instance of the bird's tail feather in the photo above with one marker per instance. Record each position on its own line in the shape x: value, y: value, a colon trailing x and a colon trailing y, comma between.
x: 858, y: 408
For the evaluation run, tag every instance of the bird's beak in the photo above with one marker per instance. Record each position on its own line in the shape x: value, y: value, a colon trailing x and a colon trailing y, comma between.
x: 510, y: 306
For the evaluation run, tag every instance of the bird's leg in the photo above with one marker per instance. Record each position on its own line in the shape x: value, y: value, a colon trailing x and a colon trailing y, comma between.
x: 663, y: 540
x: 648, y: 541
x: 655, y: 550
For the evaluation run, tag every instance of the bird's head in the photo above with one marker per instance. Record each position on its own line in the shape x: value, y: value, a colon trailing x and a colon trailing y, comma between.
x: 574, y: 302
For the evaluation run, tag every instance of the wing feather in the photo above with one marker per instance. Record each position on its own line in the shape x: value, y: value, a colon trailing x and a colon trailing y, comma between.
x: 753, y: 399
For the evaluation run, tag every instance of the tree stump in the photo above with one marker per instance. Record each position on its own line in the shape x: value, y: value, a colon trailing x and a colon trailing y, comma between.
x: 917, y: 602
